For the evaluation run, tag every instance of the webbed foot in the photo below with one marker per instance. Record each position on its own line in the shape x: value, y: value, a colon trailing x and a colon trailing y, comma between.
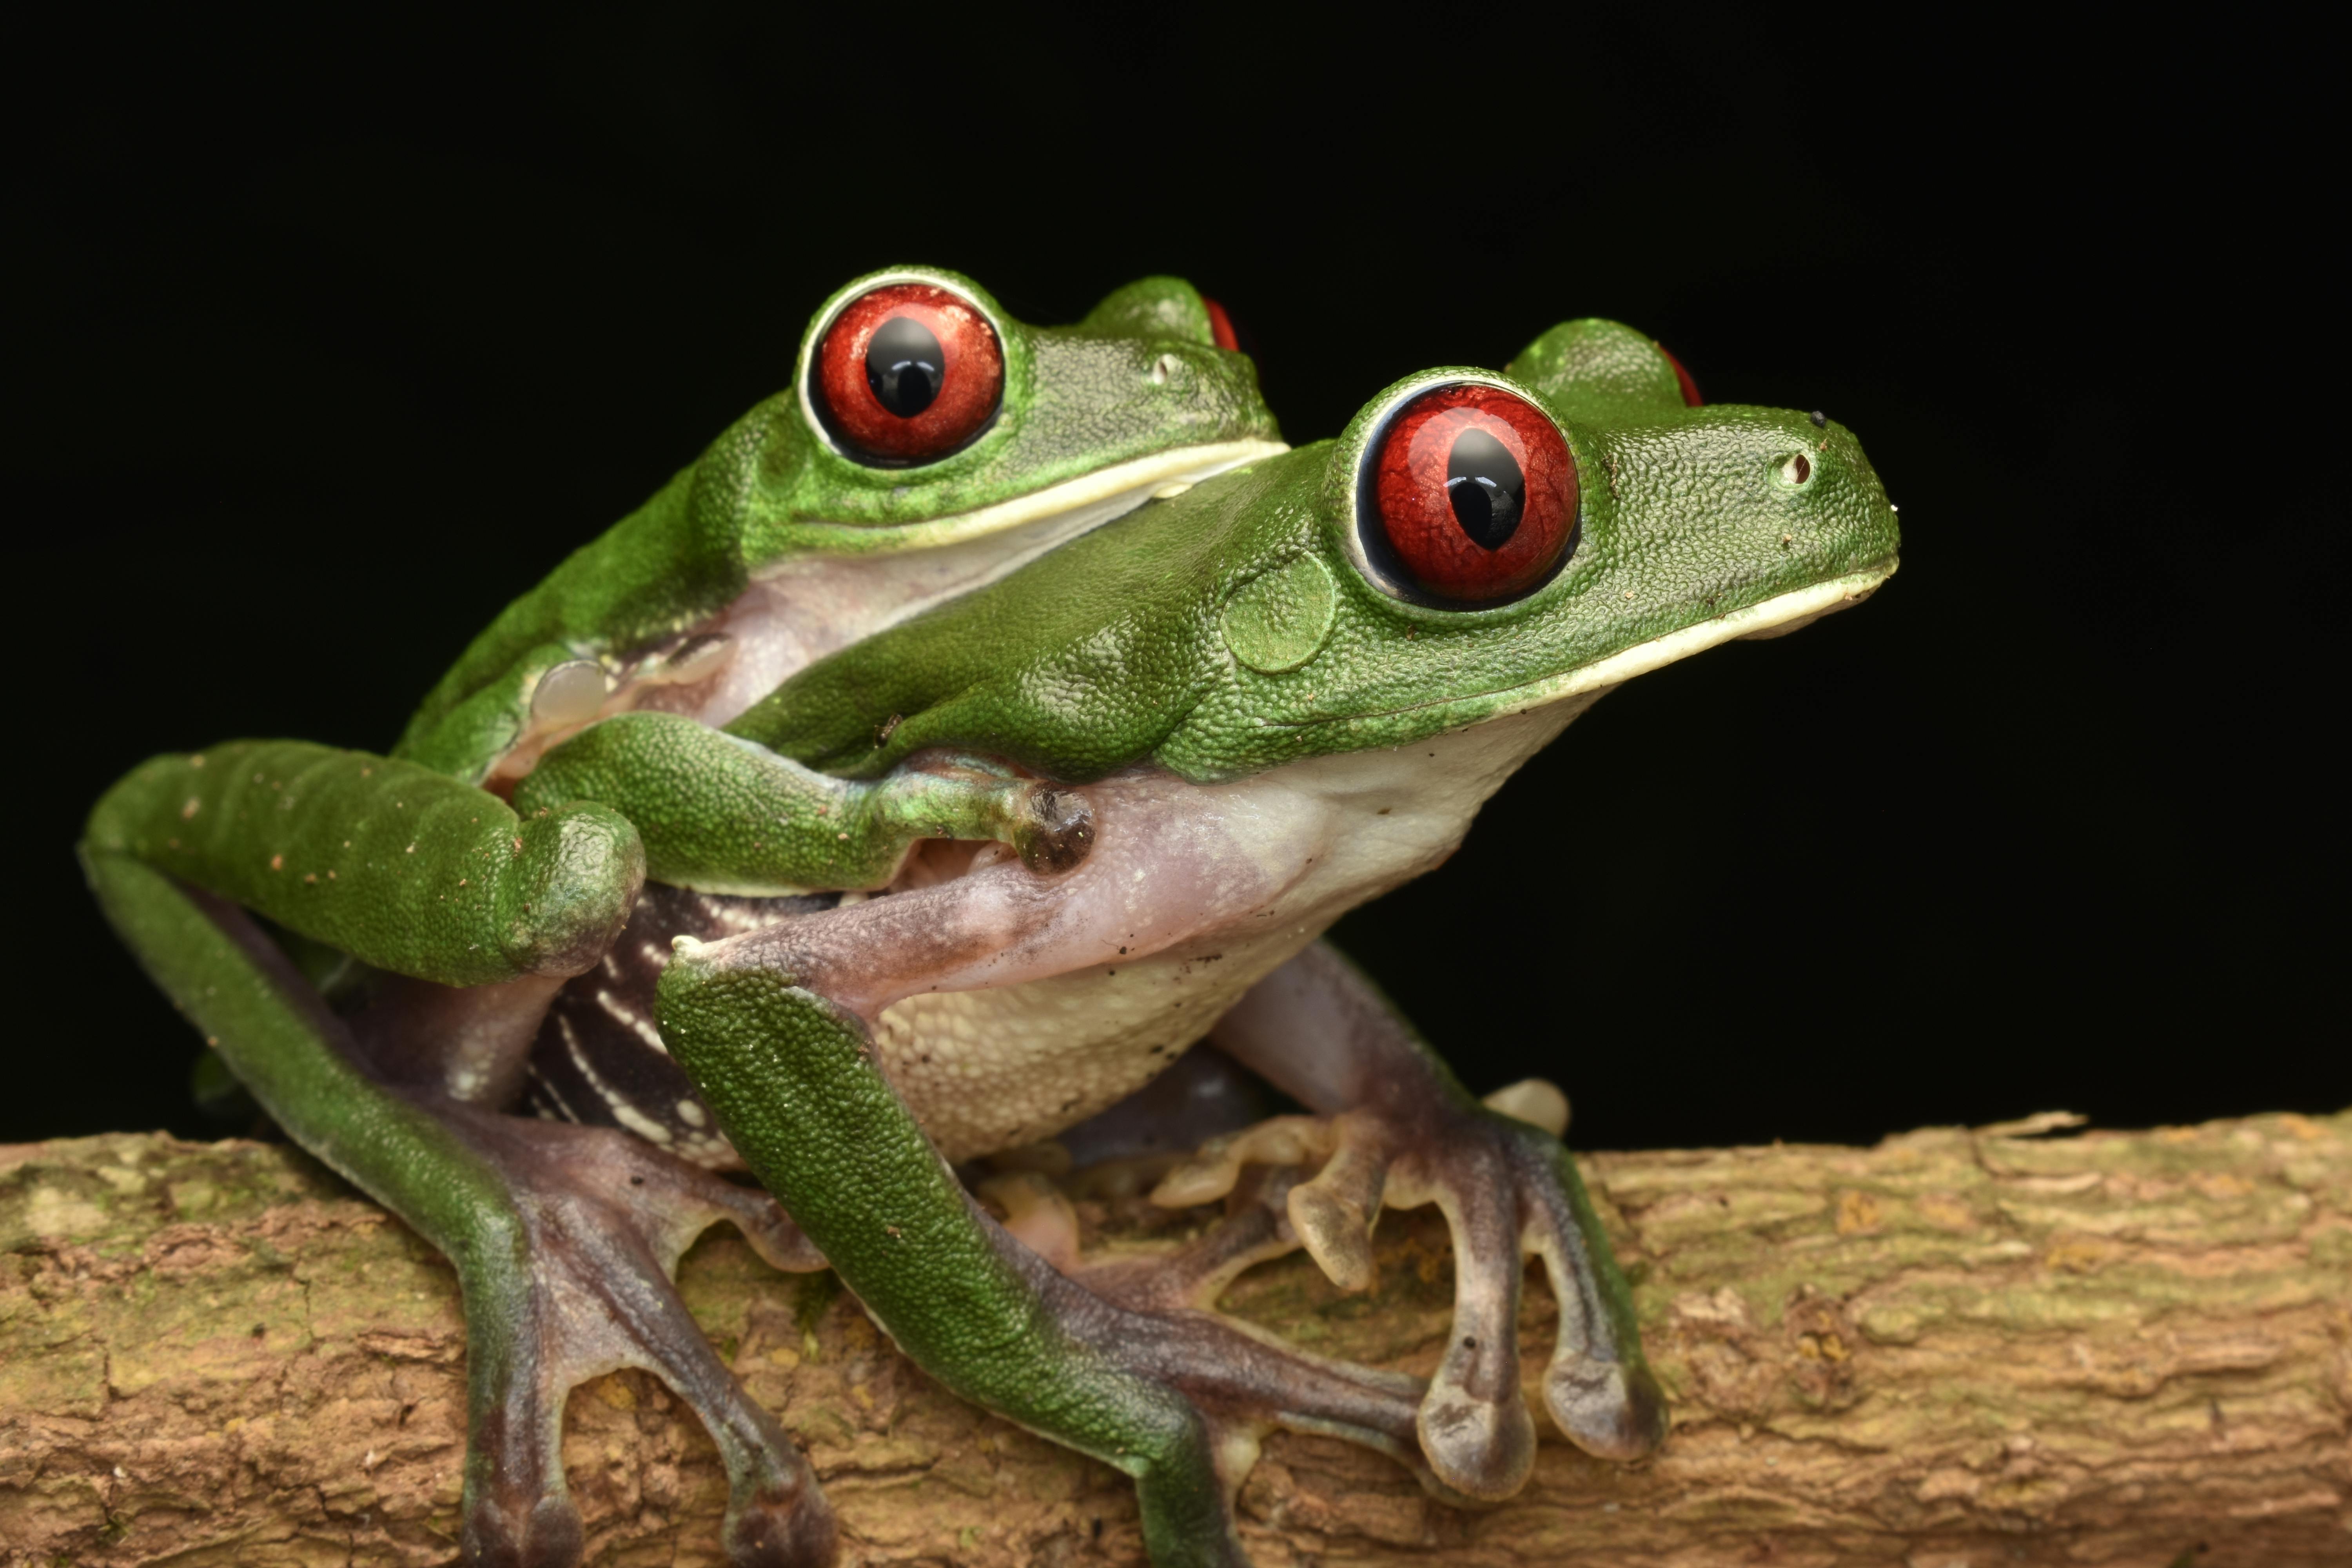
x: 1410, y: 1135
x: 578, y: 1283
x: 1256, y: 1228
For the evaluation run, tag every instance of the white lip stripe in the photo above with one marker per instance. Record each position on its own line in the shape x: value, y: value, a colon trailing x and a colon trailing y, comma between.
x: 1139, y: 476
x: 1659, y: 652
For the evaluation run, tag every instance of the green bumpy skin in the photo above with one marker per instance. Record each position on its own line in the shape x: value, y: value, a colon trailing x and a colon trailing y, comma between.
x: 793, y: 1081
x: 391, y: 863
x: 1599, y: 371
x: 1140, y: 376
x: 1229, y: 629
x: 726, y: 816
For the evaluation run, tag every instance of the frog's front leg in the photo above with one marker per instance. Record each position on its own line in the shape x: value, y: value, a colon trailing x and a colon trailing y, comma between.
x: 769, y: 1025
x: 563, y: 1238
x: 1395, y: 1127
x: 723, y: 814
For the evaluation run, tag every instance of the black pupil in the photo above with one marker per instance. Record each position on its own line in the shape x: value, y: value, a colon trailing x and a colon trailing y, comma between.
x: 1484, y: 482
x: 903, y: 366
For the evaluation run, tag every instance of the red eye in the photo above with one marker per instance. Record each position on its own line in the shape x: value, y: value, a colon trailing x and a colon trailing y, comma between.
x: 1691, y: 399
x: 908, y: 374
x: 1475, y: 493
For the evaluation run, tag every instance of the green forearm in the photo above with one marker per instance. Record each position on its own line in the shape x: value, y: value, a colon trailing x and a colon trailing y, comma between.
x: 404, y: 869
x: 725, y: 816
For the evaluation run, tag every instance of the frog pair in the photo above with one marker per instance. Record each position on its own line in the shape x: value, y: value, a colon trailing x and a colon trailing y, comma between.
x: 975, y: 726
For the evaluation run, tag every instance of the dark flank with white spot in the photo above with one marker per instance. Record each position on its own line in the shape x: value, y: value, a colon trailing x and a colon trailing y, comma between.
x: 599, y: 1059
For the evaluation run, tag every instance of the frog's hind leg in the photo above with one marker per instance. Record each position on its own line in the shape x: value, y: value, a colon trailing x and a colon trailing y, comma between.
x: 1175, y: 1397
x: 604, y: 1218
x: 563, y: 1237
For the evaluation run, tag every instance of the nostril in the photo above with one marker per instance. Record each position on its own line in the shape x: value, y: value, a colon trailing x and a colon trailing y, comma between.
x: 1796, y: 469
x: 1162, y: 369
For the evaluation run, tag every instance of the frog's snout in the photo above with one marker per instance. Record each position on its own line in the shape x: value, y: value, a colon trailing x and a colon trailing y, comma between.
x: 1055, y: 829
x: 1823, y: 494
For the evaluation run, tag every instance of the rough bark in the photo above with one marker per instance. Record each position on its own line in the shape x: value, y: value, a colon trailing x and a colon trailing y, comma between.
x: 1958, y: 1348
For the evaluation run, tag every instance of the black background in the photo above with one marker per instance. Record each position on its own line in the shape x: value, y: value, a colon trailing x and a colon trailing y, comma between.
x: 324, y: 345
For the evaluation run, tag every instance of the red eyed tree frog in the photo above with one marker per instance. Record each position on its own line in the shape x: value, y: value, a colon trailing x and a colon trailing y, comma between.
x: 975, y: 727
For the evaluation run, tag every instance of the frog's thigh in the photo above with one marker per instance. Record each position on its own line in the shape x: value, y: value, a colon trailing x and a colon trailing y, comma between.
x: 391, y: 863
x: 1402, y: 1130
x: 562, y: 1237
x: 1176, y: 1399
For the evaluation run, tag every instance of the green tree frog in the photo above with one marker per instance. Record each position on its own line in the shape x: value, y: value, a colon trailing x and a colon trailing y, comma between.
x: 972, y: 729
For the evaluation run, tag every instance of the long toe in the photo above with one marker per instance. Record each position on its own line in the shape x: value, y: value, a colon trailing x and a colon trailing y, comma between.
x: 541, y: 1530
x: 794, y: 1529
x: 1606, y: 1408
x: 1481, y: 1450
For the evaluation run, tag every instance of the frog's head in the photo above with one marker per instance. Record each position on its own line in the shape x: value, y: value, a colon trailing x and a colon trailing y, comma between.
x: 1473, y: 545
x: 922, y: 412
x: 921, y: 415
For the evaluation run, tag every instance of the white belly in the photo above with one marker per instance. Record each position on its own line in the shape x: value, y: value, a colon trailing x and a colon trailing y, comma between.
x: 984, y: 1070
x: 1235, y: 879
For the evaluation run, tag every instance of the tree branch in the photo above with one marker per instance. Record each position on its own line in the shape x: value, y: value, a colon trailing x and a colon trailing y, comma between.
x: 1984, y: 1348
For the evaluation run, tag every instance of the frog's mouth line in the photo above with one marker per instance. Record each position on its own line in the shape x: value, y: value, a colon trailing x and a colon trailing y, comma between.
x: 1083, y: 502
x: 1775, y: 616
